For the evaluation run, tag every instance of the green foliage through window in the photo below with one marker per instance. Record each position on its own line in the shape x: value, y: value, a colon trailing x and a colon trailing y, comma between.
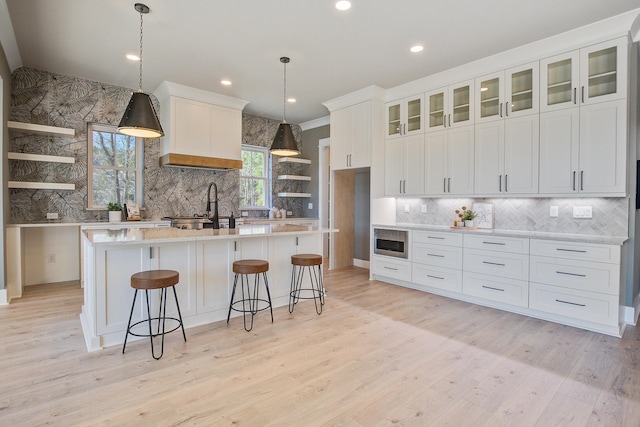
x: 115, y: 167
x: 254, y: 177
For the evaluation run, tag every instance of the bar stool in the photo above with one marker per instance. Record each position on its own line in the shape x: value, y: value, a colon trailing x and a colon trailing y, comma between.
x: 150, y: 280
x: 251, y: 301
x: 300, y: 262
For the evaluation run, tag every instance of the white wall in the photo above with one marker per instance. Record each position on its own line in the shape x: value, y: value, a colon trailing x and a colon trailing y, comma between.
x: 41, y: 242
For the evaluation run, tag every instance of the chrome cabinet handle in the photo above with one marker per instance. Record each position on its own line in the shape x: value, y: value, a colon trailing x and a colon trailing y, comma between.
x: 574, y: 180
x: 506, y: 109
x: 581, y: 180
x: 444, y: 185
x: 506, y: 188
x: 449, y: 120
x: 571, y: 250
x: 390, y: 268
x: 501, y: 109
x: 435, y: 277
x: 493, y: 263
x: 435, y: 237
x: 436, y: 255
x: 500, y: 183
x: 575, y: 95
x: 582, y: 94
x: 492, y: 288
x: 449, y: 185
x: 400, y: 190
x: 570, y: 303
x: 571, y: 274
x: 494, y: 243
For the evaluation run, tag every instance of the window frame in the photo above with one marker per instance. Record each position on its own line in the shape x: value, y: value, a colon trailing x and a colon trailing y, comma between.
x: 266, y: 178
x: 139, y: 169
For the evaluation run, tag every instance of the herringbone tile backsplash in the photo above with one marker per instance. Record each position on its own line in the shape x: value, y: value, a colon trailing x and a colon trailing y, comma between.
x: 610, y: 215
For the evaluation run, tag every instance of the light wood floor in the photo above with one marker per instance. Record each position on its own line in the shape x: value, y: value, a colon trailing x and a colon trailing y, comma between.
x: 378, y: 355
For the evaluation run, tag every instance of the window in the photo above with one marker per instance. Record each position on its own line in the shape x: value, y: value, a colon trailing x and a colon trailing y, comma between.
x: 254, y: 177
x: 115, y: 167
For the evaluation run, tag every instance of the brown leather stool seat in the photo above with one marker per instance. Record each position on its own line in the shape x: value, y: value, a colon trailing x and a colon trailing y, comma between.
x: 147, y: 281
x: 311, y: 263
x: 251, y: 302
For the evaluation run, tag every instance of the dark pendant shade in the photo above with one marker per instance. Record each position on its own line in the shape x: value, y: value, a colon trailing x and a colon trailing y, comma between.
x: 140, y: 118
x: 284, y: 144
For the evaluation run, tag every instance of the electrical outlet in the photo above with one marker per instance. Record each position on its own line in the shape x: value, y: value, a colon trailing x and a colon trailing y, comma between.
x: 423, y: 208
x: 310, y: 206
x: 244, y: 213
x: 51, y: 258
x: 553, y: 211
x: 582, y: 212
x: 52, y: 215
x: 289, y: 213
x: 407, y: 209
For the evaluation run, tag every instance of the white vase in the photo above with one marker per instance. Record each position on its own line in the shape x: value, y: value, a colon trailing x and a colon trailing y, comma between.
x: 468, y: 223
x: 115, y: 216
x: 460, y: 224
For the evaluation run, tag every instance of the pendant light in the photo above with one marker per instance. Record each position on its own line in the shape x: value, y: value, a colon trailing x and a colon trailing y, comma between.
x: 140, y: 118
x: 284, y: 144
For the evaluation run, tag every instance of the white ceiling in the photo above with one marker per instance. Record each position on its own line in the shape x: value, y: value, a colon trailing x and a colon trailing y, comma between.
x: 199, y: 42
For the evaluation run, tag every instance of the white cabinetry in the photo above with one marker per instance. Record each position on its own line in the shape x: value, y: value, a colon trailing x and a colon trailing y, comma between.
x: 390, y: 267
x: 496, y: 269
x: 201, y: 128
x: 351, y: 136
x: 449, y: 161
x: 405, y: 116
x: 576, y: 283
x: 507, y: 132
x: 437, y: 260
x: 404, y: 166
x: 450, y: 107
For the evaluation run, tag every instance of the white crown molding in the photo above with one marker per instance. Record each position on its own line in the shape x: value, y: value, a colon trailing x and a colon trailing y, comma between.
x: 315, y: 123
x: 167, y: 89
x: 8, y: 38
x: 366, y: 94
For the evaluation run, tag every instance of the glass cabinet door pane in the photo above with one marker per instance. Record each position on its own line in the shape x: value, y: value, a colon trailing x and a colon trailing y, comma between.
x: 602, y: 72
x: 461, y: 97
x: 522, y: 90
x: 394, y: 120
x: 413, y: 115
x: 490, y: 97
x: 559, y: 84
x: 436, y: 110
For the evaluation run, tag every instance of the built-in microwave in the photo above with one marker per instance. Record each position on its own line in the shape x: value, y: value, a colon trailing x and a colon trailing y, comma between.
x: 390, y: 242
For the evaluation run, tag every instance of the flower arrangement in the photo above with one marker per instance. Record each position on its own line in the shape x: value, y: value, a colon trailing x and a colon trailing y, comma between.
x: 464, y: 214
x: 111, y: 207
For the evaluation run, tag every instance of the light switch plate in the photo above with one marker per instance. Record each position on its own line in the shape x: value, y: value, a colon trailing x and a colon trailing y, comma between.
x: 52, y: 215
x: 407, y: 209
x: 245, y: 213
x: 582, y: 212
x: 423, y: 208
x: 310, y: 206
x: 553, y: 211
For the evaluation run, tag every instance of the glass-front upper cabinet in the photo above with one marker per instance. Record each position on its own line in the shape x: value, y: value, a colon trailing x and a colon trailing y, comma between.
x: 450, y: 107
x: 405, y: 116
x: 511, y: 93
x: 596, y: 73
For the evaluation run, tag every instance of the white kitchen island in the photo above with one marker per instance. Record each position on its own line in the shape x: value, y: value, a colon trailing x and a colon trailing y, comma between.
x: 204, y: 260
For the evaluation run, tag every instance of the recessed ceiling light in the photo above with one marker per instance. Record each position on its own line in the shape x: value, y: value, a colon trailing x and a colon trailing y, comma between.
x: 343, y: 5
x: 291, y: 100
x: 133, y: 57
x: 226, y: 82
x: 417, y: 48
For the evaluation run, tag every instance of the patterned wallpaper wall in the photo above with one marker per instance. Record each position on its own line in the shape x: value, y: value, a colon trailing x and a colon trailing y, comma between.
x: 46, y: 98
x: 610, y: 215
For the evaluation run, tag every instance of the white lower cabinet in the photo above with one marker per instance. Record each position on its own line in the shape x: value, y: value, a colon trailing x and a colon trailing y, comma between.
x: 215, y: 259
x: 572, y: 283
x: 393, y: 268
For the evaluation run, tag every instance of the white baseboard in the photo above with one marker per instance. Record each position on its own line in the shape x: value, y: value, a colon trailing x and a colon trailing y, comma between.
x: 360, y: 263
x: 3, y: 297
x: 630, y: 314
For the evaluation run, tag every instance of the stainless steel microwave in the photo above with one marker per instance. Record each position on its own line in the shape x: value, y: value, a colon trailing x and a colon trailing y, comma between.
x: 390, y: 242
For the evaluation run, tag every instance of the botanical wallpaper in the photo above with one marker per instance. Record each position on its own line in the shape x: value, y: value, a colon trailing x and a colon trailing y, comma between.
x: 46, y: 98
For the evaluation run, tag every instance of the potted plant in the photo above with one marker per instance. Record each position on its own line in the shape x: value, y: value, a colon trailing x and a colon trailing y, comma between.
x: 115, y: 212
x: 468, y: 215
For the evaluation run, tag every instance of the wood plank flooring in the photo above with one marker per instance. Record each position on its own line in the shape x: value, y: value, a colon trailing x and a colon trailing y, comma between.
x: 379, y: 355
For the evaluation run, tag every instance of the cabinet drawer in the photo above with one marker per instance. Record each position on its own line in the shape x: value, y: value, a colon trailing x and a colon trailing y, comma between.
x: 574, y: 250
x: 438, y: 256
x: 513, y: 266
x: 392, y: 268
x: 500, y: 289
x: 496, y: 243
x: 442, y: 278
x: 582, y: 305
x: 437, y: 238
x: 582, y: 275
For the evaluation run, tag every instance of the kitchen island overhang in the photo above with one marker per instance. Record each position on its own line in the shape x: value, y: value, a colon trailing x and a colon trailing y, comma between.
x: 203, y: 259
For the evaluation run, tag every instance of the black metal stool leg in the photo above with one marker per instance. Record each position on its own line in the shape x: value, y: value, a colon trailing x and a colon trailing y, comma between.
x: 175, y: 294
x: 292, y: 289
x: 233, y: 293
x: 266, y: 286
x: 135, y: 294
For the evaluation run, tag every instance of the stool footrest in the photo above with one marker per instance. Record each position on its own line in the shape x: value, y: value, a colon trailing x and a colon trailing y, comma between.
x: 145, y: 321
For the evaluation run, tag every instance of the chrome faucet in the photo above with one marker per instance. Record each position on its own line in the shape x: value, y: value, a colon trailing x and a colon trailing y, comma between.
x: 215, y: 220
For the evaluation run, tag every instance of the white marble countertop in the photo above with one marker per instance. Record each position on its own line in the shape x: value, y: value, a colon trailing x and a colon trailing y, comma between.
x: 64, y: 223
x: 169, y: 234
x: 586, y: 238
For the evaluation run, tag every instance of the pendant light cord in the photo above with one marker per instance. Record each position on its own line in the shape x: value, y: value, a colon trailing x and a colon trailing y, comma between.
x: 284, y: 101
x: 140, y: 88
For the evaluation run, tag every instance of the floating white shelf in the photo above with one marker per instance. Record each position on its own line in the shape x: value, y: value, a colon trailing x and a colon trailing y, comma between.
x: 41, y: 185
x: 40, y: 129
x: 40, y: 158
x: 294, y: 160
x: 295, y: 177
x: 294, y: 194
